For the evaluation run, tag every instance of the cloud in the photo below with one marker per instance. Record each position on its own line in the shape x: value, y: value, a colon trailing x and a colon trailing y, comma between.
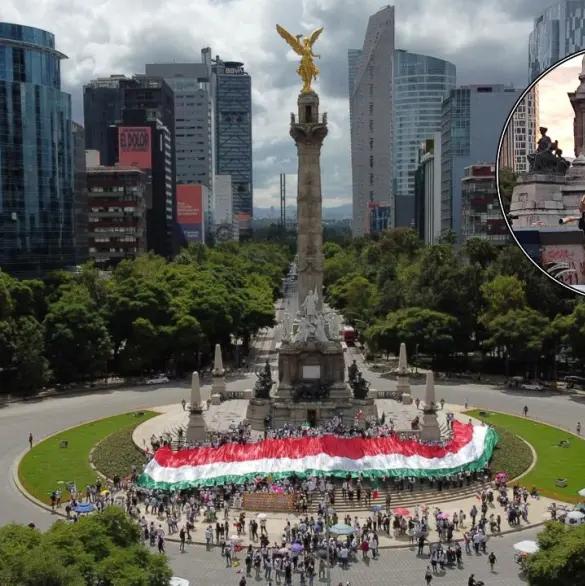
x: 487, y: 41
x: 556, y: 112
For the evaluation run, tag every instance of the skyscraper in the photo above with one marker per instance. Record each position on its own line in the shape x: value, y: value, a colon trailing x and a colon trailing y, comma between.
x: 371, y: 120
x: 471, y: 123
x: 36, y: 155
x: 80, y: 205
x: 421, y: 83
x: 191, y: 85
x: 233, y: 134
x: 558, y: 32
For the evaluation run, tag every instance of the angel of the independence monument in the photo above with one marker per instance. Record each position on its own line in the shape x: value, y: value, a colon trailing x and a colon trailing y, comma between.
x: 311, y: 383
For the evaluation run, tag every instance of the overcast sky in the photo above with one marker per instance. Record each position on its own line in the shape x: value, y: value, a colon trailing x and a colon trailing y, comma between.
x: 556, y: 112
x: 486, y: 40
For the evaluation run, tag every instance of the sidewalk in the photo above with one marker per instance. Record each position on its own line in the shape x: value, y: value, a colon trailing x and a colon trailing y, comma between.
x: 276, y: 522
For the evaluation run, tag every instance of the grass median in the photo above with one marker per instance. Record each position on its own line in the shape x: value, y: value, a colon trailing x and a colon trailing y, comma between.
x: 48, y: 466
x: 553, y: 461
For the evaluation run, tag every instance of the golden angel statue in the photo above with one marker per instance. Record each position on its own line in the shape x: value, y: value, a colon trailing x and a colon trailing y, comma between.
x: 307, y: 69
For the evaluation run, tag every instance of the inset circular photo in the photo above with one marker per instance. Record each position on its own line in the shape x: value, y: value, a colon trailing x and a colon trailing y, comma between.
x: 541, y: 172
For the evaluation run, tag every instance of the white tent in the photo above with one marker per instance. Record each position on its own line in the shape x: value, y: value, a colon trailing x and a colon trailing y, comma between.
x: 179, y: 581
x: 526, y: 546
x: 575, y: 518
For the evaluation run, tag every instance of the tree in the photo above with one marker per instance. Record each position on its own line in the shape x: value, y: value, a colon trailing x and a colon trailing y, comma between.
x: 103, y: 549
x: 561, y: 558
x: 28, y: 359
x: 507, y: 181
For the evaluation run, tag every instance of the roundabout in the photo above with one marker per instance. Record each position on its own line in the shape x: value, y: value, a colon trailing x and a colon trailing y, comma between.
x: 52, y: 416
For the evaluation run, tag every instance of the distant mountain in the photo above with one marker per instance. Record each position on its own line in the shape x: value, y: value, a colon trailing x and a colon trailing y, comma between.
x: 342, y: 212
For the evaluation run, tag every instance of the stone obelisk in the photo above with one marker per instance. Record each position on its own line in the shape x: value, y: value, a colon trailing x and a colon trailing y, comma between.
x: 430, y: 431
x: 196, y: 427
x: 218, y: 374
x: 309, y: 129
x: 403, y: 381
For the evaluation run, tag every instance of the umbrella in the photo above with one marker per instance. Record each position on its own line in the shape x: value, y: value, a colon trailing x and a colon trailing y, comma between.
x: 501, y: 475
x: 235, y: 539
x: 582, y: 492
x: 283, y: 551
x: 442, y: 516
x: 377, y: 508
x: 401, y: 512
x: 296, y: 547
x: 262, y: 516
x: 526, y: 546
x: 341, y: 529
x: 574, y: 518
x: 84, y: 508
x: 105, y: 492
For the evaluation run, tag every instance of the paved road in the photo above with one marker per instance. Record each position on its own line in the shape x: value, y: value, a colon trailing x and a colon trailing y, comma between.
x: 398, y: 566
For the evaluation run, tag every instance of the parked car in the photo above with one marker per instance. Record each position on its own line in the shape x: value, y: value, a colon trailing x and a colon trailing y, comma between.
x: 532, y: 387
x: 161, y: 379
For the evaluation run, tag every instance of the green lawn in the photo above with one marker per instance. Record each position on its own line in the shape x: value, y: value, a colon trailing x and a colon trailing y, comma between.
x: 48, y: 466
x: 552, y: 461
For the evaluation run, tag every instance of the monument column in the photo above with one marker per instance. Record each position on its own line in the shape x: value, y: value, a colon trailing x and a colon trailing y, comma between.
x: 577, y: 99
x: 309, y: 129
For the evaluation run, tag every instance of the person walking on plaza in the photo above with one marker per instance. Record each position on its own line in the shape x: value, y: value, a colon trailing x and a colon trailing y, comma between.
x: 428, y: 576
x: 525, y: 410
x: 182, y: 538
x: 578, y: 428
x: 30, y: 440
x: 492, y: 561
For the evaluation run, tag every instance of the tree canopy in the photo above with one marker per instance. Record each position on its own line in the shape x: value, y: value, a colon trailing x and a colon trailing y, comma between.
x: 484, y: 300
x: 102, y: 549
x: 147, y: 315
x: 561, y: 558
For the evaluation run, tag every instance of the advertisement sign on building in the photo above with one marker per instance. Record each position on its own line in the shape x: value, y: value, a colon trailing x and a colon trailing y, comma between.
x: 190, y: 211
x: 135, y: 147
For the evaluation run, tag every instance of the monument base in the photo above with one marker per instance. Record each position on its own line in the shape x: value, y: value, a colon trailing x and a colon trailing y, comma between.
x: 430, y: 431
x: 196, y: 430
x: 403, y: 385
x: 218, y: 386
x: 537, y: 200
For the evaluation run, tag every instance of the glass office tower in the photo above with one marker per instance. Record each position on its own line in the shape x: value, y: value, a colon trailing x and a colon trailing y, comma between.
x: 421, y: 83
x: 36, y: 155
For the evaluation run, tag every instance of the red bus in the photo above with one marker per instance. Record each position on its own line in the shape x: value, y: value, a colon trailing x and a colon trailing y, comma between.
x: 348, y: 335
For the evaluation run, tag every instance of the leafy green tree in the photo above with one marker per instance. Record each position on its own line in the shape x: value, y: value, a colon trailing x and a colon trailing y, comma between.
x: 507, y: 180
x: 76, y: 337
x: 561, y: 558
x: 28, y: 359
x: 480, y: 251
x: 102, y: 549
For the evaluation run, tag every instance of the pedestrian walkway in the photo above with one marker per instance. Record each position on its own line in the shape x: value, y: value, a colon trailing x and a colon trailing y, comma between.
x: 276, y: 522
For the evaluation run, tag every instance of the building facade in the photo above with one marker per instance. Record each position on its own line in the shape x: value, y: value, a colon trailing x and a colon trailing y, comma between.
x: 371, y: 127
x: 481, y: 215
x: 471, y: 122
x: 420, y: 86
x: 103, y: 102
x: 194, y: 136
x: 233, y: 135
x: 226, y: 227
x: 117, y: 214
x: 80, y: 208
x: 146, y: 144
x: 37, y: 232
x: 427, y: 208
x: 559, y: 31
x: 379, y: 217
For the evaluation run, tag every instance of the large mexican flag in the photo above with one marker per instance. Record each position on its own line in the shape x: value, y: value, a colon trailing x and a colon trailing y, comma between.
x: 471, y: 447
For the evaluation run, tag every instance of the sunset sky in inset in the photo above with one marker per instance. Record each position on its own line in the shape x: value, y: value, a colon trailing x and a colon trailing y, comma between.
x: 555, y: 110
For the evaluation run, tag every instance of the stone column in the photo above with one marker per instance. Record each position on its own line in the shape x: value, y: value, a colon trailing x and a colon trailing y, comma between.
x: 195, y: 390
x: 309, y: 130
x: 430, y: 431
x: 218, y: 374
x: 403, y: 383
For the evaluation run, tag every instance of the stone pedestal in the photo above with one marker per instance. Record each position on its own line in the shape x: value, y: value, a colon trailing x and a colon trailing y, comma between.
x: 430, y: 431
x: 537, y: 200
x: 215, y: 400
x: 196, y: 431
x: 406, y: 398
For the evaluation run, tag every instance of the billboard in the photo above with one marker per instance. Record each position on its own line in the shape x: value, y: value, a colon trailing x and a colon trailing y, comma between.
x: 135, y: 146
x: 190, y: 211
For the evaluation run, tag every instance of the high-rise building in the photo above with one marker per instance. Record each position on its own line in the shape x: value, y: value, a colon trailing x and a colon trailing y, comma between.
x: 226, y: 228
x: 103, y: 102
x: 233, y: 134
x: 80, y: 209
x: 353, y: 62
x: 420, y: 86
x: 371, y: 120
x: 36, y: 155
x: 192, y: 87
x: 472, y: 121
x: 117, y: 213
x: 481, y: 215
x: 427, y: 199
x: 146, y: 143
x: 559, y: 31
